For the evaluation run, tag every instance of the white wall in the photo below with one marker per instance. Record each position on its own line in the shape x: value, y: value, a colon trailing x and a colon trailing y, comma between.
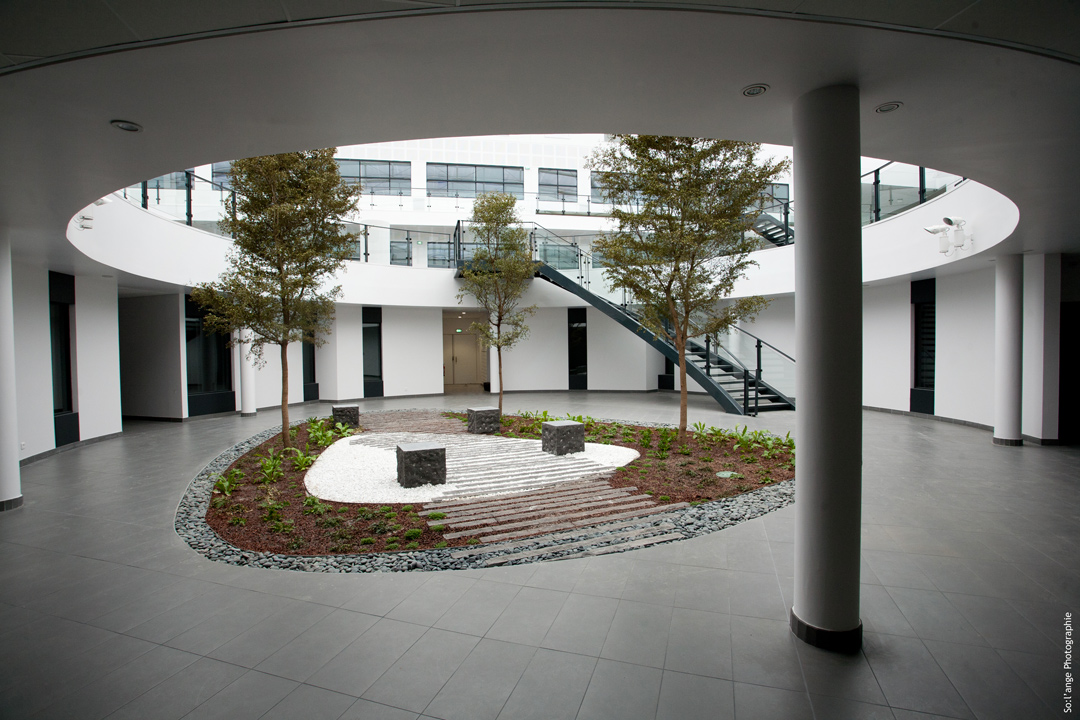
x: 98, y: 356
x: 776, y: 324
x: 412, y: 349
x: 153, y: 378
x: 33, y: 360
x: 887, y: 346
x: 268, y: 376
x: 539, y: 362
x: 618, y: 358
x: 339, y: 364
x: 964, y: 363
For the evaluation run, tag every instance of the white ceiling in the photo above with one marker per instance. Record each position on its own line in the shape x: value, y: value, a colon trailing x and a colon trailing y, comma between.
x: 987, y: 110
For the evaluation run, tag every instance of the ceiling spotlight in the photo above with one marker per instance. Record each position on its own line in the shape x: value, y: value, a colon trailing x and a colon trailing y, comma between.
x: 126, y: 126
x: 755, y: 89
x: 888, y: 107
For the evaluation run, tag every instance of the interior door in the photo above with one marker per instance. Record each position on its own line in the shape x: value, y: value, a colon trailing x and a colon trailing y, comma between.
x: 448, y: 359
x: 464, y: 359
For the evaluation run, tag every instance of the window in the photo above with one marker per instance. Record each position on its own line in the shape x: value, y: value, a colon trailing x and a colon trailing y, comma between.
x: 467, y: 181
x: 558, y: 184
x: 776, y: 195
x: 577, y: 349
x: 597, y: 192
x: 171, y: 181
x: 378, y: 177
x: 219, y: 173
x: 400, y: 247
x: 371, y: 339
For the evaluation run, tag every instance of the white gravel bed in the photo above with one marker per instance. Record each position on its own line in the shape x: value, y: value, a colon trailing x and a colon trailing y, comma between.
x: 353, y: 472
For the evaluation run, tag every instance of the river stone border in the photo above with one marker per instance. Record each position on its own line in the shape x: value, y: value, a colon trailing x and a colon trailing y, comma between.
x: 691, y: 522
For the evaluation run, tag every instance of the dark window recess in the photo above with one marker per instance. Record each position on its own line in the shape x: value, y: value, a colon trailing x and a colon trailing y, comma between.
x: 578, y: 349
x: 467, y: 181
x: 667, y: 380
x: 209, y: 366
x: 371, y: 329
x: 61, y: 300
x: 558, y: 184
x: 924, y: 310
x: 311, y: 387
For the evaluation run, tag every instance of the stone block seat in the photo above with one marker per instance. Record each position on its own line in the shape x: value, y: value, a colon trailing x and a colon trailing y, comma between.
x: 560, y: 437
x: 347, y: 414
x: 484, y: 420
x: 422, y: 463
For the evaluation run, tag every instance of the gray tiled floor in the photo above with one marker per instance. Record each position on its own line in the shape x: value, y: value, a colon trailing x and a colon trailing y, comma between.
x: 969, y: 566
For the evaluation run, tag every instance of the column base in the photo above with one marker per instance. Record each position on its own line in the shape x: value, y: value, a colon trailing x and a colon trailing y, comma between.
x: 244, y: 414
x: 1008, y: 442
x: 842, y: 641
x: 11, y: 504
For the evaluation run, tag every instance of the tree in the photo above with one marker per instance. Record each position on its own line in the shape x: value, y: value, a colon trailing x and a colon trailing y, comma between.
x: 288, y: 240
x: 683, y: 208
x: 498, y: 274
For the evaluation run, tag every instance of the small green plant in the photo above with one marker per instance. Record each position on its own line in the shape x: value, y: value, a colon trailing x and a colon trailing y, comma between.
x: 742, y: 487
x: 367, y: 541
x: 664, y: 498
x: 701, y: 433
x: 328, y: 522
x: 343, y: 509
x: 303, y: 459
x: 665, y: 437
x: 238, y: 521
x: 342, y: 430
x: 385, y: 509
x: 281, y: 526
x: 406, y: 508
x: 706, y: 458
x: 684, y: 449
x: 318, y: 432
x: 413, y: 534
x: 218, y: 503
x: 659, y: 454
x: 438, y: 528
x: 378, y: 528
x: 436, y: 516
x: 441, y: 544
x: 296, y: 544
x: 314, y: 506
x: 227, y: 482
x: 645, y: 437
x: 341, y: 547
x: 294, y: 432
x: 412, y: 546
x: 364, y: 513
x: 472, y: 541
x: 270, y: 467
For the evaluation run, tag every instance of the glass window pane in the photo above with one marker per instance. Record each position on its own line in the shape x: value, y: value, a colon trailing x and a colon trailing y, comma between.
x: 489, y: 174
x: 514, y: 174
x: 401, y: 170
x: 436, y: 172
x: 548, y: 177
x: 516, y: 190
x: 372, y: 168
x: 568, y: 177
x: 461, y: 188
x: 461, y: 172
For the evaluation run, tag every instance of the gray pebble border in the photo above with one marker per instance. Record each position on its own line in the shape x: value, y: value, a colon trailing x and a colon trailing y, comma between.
x: 702, y: 519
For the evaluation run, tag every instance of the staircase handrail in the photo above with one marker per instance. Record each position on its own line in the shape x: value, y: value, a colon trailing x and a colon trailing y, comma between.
x: 763, y: 342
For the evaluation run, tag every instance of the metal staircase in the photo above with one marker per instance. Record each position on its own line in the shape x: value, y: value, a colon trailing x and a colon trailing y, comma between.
x: 734, y: 383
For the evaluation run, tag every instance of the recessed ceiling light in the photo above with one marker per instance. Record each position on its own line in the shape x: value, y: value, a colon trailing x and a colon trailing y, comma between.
x: 888, y: 107
x: 755, y: 89
x: 126, y: 126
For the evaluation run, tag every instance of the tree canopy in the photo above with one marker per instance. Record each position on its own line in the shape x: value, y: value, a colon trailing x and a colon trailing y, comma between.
x: 498, y: 274
x: 683, y: 208
x: 288, y: 240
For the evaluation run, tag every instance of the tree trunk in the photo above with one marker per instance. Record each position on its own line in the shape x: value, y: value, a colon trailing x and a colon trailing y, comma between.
x: 498, y: 351
x: 285, y: 438
x: 680, y: 346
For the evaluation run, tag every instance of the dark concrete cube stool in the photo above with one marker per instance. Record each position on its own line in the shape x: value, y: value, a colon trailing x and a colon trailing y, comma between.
x: 560, y: 437
x: 348, y: 414
x: 421, y: 464
x: 484, y: 420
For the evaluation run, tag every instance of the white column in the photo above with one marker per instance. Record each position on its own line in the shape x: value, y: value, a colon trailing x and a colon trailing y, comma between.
x: 828, y: 333
x: 1008, y: 349
x: 10, y: 481
x: 1042, y: 347
x: 493, y: 370
x: 247, y: 376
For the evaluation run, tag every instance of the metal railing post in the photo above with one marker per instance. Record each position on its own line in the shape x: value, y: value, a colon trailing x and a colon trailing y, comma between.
x: 877, y: 195
x: 365, y: 243
x: 746, y: 391
x: 187, y: 188
x: 787, y: 221
x: 708, y: 356
x: 922, y: 184
x: 145, y: 195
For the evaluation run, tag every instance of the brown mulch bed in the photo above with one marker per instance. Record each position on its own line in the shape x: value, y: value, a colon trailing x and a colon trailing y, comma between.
x: 280, y: 517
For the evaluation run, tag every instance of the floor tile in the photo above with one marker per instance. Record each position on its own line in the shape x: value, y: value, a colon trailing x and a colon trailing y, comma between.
x: 699, y: 643
x: 638, y: 634
x: 358, y: 666
x: 528, y: 617
x: 317, y: 645
x: 910, y: 678
x: 621, y: 691
x: 582, y: 625
x: 181, y: 693
x: 418, y: 675
x: 310, y: 703
x: 551, y: 688
x: 763, y: 653
x: 249, y: 697
x: 755, y: 702
x: 482, y: 683
x: 987, y: 683
x: 478, y: 608
x: 693, y: 697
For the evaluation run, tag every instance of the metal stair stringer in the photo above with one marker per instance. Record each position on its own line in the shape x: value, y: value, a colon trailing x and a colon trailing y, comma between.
x: 620, y: 316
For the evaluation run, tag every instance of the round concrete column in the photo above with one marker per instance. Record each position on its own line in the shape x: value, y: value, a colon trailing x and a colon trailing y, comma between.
x: 10, y: 481
x: 247, y: 376
x: 1008, y: 349
x: 828, y: 332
